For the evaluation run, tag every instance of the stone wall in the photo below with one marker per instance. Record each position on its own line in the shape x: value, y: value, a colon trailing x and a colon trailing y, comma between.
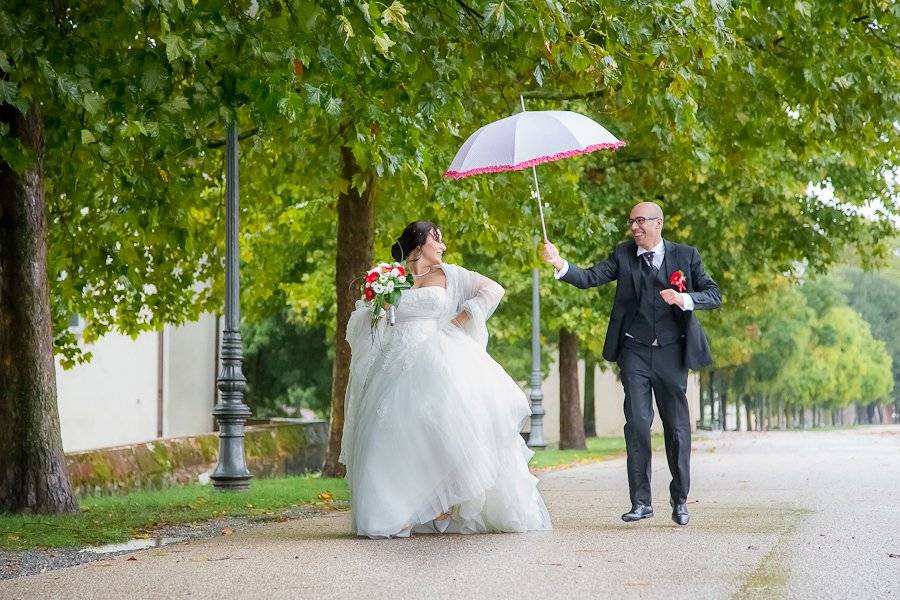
x: 283, y: 446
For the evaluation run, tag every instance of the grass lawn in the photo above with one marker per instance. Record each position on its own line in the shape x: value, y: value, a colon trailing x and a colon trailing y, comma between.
x: 598, y: 448
x: 112, y: 519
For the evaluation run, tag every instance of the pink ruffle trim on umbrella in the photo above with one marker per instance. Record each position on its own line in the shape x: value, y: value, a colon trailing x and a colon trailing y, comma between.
x: 534, y: 161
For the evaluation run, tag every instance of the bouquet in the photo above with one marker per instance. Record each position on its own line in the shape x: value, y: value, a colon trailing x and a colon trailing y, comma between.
x: 382, y: 288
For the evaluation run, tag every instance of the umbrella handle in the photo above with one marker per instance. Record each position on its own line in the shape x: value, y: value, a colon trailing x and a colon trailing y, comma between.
x: 537, y: 191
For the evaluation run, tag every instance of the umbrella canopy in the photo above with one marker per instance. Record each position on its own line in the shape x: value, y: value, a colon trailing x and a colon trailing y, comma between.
x: 527, y: 139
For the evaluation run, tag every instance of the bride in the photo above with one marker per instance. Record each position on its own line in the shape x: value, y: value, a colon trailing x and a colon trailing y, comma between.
x: 431, y: 433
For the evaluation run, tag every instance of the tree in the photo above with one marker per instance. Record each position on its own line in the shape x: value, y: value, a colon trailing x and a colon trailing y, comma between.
x: 278, y: 382
x: 571, y: 422
x: 33, y: 470
x: 874, y: 296
x: 108, y: 115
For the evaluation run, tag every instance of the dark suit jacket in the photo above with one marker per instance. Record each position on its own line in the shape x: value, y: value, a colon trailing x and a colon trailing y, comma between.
x: 625, y: 266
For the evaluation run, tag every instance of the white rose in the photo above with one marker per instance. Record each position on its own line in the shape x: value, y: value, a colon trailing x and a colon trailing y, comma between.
x: 390, y: 287
x: 395, y: 272
x: 378, y: 288
x: 402, y: 279
x: 383, y: 279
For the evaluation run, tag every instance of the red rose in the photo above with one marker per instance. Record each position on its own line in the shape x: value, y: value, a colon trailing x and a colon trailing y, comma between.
x: 370, y: 294
x: 401, y: 271
x: 677, y: 279
x: 372, y: 276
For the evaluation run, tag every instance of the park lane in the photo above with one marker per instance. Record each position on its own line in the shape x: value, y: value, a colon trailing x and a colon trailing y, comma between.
x: 800, y: 515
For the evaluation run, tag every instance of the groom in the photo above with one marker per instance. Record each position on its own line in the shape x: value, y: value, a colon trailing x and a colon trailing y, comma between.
x: 655, y: 339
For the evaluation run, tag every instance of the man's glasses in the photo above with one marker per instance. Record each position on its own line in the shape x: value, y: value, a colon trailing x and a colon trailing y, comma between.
x: 641, y: 220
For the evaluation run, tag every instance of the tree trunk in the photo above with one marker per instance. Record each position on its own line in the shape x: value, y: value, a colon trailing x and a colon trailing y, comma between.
x: 571, y: 423
x: 590, y: 424
x: 355, y: 235
x: 748, y: 412
x: 33, y: 473
x: 723, y: 410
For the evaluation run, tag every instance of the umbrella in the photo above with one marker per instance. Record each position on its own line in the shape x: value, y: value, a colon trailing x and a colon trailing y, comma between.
x: 528, y: 139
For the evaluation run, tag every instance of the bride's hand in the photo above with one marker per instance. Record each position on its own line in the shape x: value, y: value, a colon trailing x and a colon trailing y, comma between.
x: 460, y: 319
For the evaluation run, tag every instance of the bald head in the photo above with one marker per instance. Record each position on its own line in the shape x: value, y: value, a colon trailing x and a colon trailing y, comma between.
x: 645, y: 223
x: 647, y: 209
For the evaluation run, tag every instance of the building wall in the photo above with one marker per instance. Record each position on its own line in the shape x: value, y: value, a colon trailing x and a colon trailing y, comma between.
x: 114, y: 399
x: 189, y: 378
x: 111, y: 400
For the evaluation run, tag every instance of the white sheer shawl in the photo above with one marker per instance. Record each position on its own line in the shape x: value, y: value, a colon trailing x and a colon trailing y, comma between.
x: 469, y: 291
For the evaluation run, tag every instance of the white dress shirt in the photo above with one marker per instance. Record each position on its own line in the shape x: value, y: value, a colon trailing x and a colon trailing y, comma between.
x: 659, y: 251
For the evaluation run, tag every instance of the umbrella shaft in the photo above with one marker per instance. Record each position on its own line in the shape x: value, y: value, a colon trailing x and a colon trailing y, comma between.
x: 537, y: 191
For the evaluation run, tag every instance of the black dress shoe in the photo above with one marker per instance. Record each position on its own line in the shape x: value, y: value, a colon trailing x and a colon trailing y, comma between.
x: 638, y: 512
x: 680, y: 513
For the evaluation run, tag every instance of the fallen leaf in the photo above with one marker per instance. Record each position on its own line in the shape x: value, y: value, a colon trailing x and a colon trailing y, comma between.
x: 326, y: 496
x: 12, y: 537
x: 227, y: 531
x: 130, y: 558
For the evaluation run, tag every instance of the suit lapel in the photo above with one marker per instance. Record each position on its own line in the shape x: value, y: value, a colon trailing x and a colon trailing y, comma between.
x: 635, y: 262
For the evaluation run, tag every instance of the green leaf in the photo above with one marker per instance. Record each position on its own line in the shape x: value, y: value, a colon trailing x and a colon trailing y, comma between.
x: 383, y: 43
x: 175, y: 46
x: 87, y: 137
x: 333, y: 106
x: 151, y: 75
x: 395, y: 15
x: 178, y: 104
x: 7, y: 91
x: 92, y: 103
x: 68, y: 87
x: 345, y: 27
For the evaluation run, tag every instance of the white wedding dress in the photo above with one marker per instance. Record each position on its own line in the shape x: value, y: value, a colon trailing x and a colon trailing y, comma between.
x: 432, y: 421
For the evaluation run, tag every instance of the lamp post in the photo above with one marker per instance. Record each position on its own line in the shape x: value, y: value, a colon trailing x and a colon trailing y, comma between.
x: 536, y: 436
x: 231, y: 471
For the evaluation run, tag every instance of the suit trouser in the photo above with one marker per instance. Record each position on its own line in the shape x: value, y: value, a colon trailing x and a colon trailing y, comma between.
x: 660, y: 370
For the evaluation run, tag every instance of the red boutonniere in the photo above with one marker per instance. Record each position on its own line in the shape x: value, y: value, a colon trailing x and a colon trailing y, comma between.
x: 677, y: 279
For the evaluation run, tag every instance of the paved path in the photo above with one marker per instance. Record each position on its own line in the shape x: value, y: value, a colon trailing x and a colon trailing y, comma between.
x: 798, y: 515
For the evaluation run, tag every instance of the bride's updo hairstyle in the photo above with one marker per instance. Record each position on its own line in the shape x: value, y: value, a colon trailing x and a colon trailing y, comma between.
x: 414, y: 236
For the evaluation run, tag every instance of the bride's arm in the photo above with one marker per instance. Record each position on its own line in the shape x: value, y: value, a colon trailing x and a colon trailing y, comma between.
x: 483, y: 295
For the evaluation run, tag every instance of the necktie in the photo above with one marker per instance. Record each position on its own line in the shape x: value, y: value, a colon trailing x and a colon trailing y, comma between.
x: 648, y: 258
